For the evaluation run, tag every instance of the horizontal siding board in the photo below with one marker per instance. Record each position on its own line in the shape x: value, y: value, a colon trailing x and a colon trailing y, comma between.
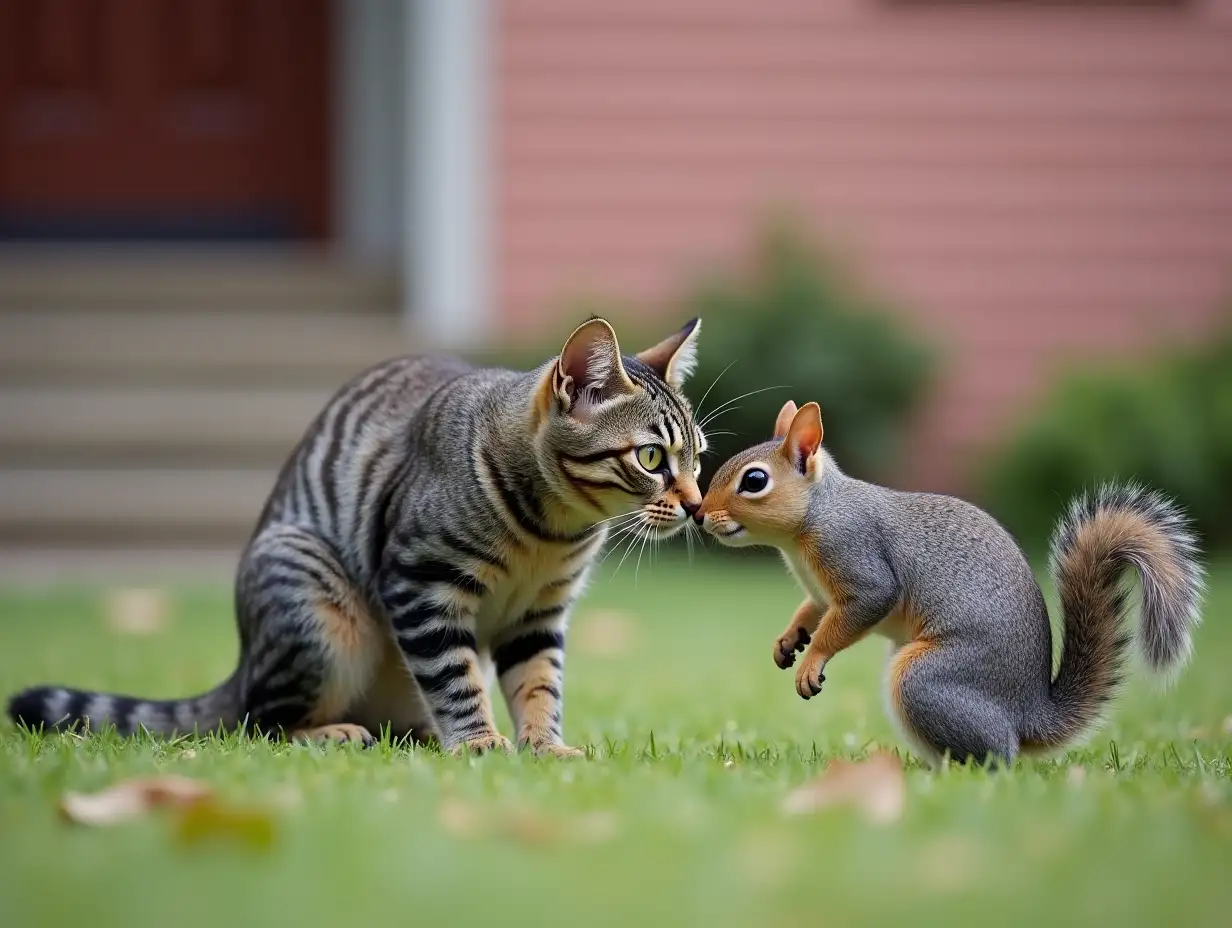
x: 1029, y: 184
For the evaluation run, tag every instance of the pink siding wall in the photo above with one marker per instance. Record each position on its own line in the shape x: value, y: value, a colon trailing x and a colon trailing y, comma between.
x: 1031, y: 184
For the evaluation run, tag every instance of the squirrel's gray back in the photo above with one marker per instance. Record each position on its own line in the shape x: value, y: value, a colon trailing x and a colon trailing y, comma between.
x: 956, y: 566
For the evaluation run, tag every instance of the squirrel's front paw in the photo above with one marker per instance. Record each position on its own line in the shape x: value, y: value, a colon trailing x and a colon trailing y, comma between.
x: 791, y: 642
x: 809, y: 676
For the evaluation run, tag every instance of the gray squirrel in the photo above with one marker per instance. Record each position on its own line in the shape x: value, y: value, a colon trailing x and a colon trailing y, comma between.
x: 970, y: 675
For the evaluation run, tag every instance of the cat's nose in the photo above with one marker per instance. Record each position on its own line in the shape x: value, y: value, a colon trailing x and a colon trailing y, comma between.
x: 691, y: 508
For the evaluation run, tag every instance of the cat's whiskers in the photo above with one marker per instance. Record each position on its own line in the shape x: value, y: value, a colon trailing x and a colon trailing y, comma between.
x: 702, y: 401
x: 718, y: 409
x: 648, y: 536
x: 625, y: 532
x: 623, y: 515
x: 642, y: 531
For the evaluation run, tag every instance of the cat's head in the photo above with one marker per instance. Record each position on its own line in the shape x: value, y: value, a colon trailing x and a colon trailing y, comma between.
x: 615, y: 435
x: 760, y: 496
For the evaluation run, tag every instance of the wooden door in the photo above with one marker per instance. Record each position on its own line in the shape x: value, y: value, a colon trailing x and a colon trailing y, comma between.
x: 164, y: 118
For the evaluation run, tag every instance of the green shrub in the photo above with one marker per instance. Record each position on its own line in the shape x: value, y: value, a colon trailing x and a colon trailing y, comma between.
x: 791, y: 326
x: 1167, y: 424
x: 794, y: 324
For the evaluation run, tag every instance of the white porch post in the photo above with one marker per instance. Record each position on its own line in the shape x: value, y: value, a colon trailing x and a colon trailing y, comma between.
x: 446, y: 260
x: 369, y: 107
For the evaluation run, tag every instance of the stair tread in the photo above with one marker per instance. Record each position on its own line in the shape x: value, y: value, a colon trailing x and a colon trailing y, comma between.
x: 165, y: 499
x: 132, y: 344
x: 187, y: 278
x: 68, y: 417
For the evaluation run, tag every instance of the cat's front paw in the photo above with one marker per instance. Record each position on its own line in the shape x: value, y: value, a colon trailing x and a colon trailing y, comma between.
x: 482, y: 744
x: 809, y: 675
x: 546, y: 744
x: 788, y: 645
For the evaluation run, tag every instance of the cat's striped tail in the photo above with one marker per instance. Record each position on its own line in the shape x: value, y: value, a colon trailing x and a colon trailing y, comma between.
x: 55, y: 708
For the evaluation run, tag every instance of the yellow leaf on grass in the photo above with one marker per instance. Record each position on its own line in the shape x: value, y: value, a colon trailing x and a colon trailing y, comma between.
x: 209, y: 819
x: 874, y: 786
x: 195, y: 807
x: 132, y: 799
x: 137, y: 611
x: 606, y: 633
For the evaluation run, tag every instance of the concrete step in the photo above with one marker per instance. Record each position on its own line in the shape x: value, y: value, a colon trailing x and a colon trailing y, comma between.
x: 98, y: 506
x: 132, y: 346
x: 39, y: 568
x: 148, y: 396
x: 171, y: 279
x: 84, y: 425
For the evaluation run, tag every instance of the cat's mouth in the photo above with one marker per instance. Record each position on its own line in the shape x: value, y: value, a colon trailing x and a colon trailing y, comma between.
x: 662, y: 520
x: 660, y: 528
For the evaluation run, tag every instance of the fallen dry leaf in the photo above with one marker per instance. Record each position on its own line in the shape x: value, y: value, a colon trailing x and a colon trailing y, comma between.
x: 1227, y: 725
x: 132, y: 799
x: 287, y: 796
x: 875, y: 786
x: 522, y: 824
x: 766, y: 860
x: 209, y: 819
x: 197, y: 811
x: 527, y: 825
x: 137, y: 611
x: 605, y: 634
x: 460, y: 819
x: 596, y: 827
x: 948, y: 865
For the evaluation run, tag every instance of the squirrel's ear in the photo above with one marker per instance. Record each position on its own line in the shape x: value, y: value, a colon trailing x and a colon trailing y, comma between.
x: 783, y: 422
x: 675, y: 357
x: 803, y: 437
x: 589, y: 370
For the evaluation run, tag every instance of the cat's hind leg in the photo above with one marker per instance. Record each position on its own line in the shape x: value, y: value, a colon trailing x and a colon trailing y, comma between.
x: 311, y: 646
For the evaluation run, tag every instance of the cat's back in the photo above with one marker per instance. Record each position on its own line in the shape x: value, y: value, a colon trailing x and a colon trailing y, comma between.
x: 357, y: 438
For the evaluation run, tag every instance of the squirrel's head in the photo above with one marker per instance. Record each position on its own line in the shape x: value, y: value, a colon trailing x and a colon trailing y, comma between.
x: 760, y: 496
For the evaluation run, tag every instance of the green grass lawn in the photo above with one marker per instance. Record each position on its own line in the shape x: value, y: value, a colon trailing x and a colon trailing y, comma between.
x: 675, y: 820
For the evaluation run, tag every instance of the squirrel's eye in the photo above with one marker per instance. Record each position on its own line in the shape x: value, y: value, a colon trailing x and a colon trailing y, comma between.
x: 650, y: 457
x: 754, y: 481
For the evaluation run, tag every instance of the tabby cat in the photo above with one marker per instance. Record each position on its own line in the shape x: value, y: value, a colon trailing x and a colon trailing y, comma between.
x: 435, y: 524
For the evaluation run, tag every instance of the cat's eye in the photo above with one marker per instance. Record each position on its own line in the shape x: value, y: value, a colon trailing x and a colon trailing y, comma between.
x: 651, y: 458
x: 754, y: 481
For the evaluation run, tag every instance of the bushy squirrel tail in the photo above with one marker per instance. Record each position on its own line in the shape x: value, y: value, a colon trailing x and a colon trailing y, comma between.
x: 1118, y: 527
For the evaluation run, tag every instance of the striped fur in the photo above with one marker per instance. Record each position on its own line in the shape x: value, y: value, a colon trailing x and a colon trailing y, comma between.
x: 434, y: 526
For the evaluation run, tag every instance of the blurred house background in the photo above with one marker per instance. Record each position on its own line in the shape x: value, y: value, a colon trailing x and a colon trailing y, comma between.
x: 213, y: 211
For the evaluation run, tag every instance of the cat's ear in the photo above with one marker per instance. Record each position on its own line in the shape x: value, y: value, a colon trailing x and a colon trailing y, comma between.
x: 803, y: 438
x: 675, y: 358
x: 783, y: 422
x: 589, y: 369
